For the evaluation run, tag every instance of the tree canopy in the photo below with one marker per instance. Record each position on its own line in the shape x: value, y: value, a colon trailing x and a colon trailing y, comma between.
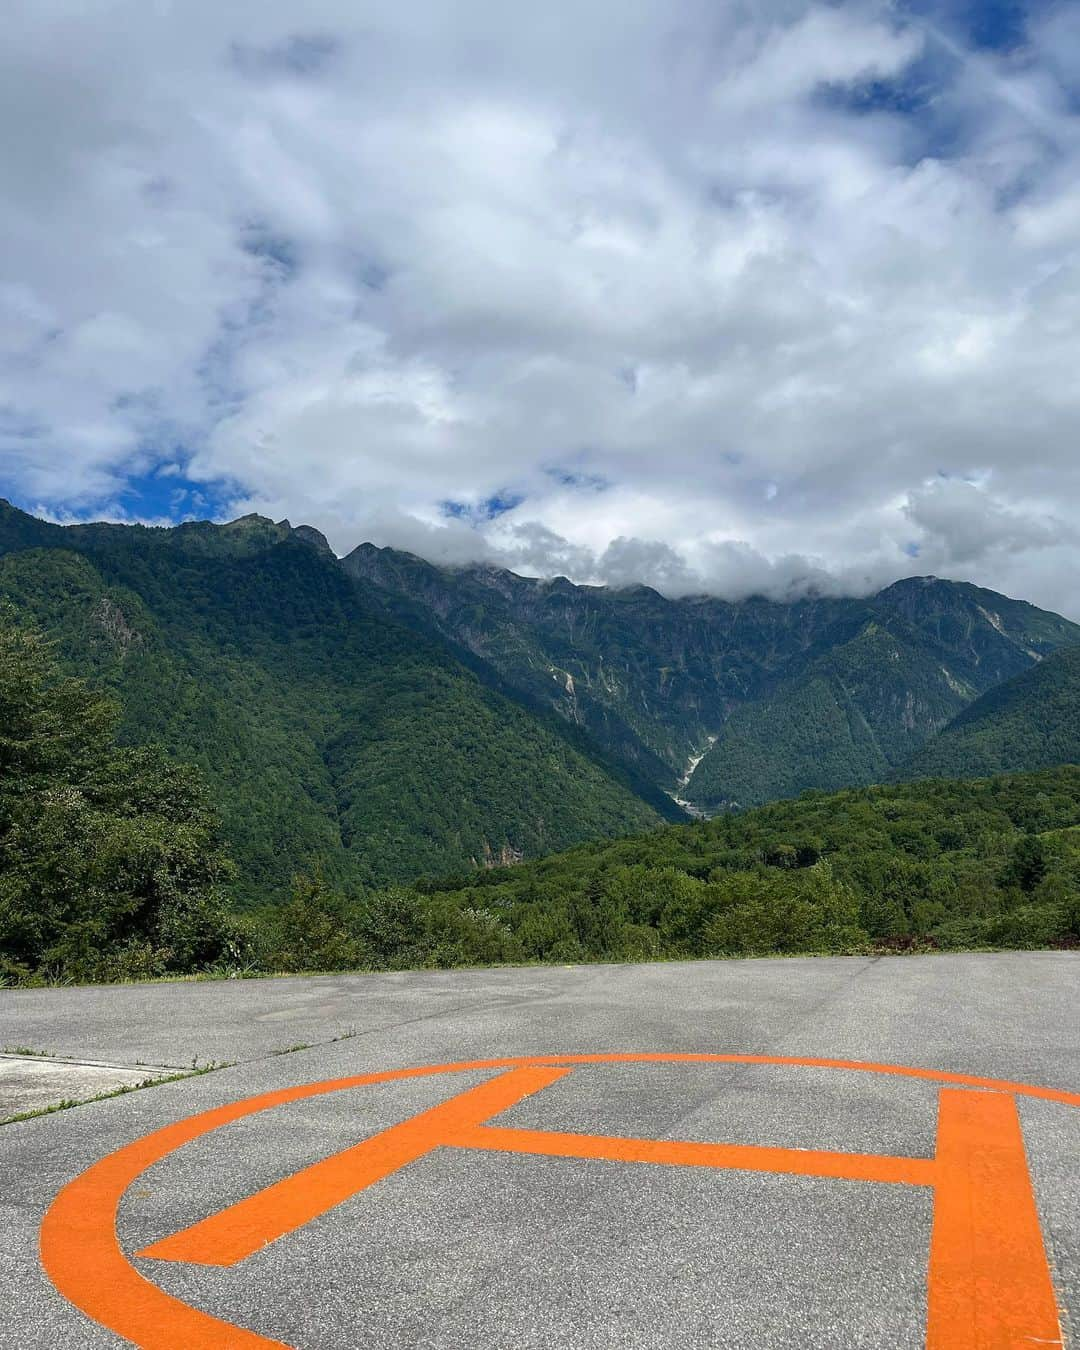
x: 929, y: 865
x: 110, y: 863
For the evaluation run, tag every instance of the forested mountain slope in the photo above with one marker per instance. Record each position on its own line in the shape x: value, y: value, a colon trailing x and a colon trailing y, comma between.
x: 924, y: 650
x: 650, y: 677
x: 817, y: 693
x: 845, y: 719
x: 1030, y: 722
x: 381, y: 718
x: 329, y: 735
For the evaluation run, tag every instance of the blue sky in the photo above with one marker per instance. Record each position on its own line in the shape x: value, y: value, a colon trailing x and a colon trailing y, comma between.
x: 163, y: 494
x: 994, y: 25
x: 715, y: 297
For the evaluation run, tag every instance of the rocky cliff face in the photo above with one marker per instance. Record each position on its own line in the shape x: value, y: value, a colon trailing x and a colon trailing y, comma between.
x: 650, y: 677
x: 821, y: 692
x: 713, y: 702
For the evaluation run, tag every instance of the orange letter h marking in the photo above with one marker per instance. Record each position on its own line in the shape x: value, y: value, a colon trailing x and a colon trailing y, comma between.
x: 989, y: 1282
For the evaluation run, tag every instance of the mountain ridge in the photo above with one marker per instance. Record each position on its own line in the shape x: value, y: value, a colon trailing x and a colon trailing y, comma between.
x: 653, y: 706
x: 654, y: 678
x: 1027, y: 723
x: 331, y: 737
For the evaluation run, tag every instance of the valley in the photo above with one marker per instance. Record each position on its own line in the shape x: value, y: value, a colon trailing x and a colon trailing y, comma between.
x: 377, y: 763
x: 820, y: 692
x: 380, y: 718
x: 688, y: 773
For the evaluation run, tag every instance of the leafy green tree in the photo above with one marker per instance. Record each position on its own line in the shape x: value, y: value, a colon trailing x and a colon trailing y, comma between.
x: 392, y: 928
x: 1027, y: 864
x: 313, y: 931
x: 109, y: 859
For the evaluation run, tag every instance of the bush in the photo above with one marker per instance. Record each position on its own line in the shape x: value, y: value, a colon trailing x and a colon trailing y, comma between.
x: 312, y: 931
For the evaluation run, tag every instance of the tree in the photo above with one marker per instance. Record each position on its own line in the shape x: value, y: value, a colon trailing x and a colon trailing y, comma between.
x: 312, y: 931
x: 1027, y: 865
x: 109, y: 860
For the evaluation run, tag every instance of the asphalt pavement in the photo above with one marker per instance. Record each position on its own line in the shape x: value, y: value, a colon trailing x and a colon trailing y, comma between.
x: 615, y: 1156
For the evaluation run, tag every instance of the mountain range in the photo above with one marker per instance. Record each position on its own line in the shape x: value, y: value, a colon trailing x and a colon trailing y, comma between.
x: 330, y: 737
x: 379, y: 718
x: 730, y: 704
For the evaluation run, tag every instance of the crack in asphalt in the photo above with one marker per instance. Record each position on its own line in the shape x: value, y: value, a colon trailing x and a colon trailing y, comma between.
x: 68, y: 1061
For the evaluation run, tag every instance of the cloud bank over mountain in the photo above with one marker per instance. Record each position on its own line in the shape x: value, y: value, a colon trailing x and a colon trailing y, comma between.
x: 707, y: 296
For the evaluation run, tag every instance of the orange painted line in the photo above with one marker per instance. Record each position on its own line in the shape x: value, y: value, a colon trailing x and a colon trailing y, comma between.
x: 671, y: 1153
x: 1060, y: 1095
x: 989, y: 1282
x: 82, y: 1256
x: 242, y: 1229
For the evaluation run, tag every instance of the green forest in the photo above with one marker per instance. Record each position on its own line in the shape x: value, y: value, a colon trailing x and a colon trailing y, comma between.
x: 937, y: 865
x: 326, y: 735
x: 817, y: 692
x: 112, y: 866
x: 223, y: 751
x: 1031, y: 721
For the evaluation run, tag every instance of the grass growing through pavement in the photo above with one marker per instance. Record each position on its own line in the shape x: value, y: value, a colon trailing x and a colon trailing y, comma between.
x: 310, y: 1045
x: 122, y: 1091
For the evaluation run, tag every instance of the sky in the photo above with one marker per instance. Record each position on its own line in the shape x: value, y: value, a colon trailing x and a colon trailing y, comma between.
x: 729, y: 297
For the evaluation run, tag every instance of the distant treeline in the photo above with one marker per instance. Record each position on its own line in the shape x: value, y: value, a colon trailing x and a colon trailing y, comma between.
x: 930, y: 865
x: 111, y: 867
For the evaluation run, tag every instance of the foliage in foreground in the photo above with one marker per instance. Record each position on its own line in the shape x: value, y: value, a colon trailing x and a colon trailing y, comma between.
x: 109, y: 862
x: 930, y: 865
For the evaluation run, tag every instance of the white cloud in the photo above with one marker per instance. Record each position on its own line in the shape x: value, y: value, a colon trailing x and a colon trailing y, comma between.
x: 963, y: 524
x: 732, y: 298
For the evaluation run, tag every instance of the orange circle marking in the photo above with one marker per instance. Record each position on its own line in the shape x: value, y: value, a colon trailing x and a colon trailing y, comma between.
x: 989, y: 1284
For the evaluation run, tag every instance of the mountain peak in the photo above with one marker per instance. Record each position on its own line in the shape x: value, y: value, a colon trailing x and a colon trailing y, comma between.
x: 253, y: 519
x: 318, y: 541
x: 906, y: 584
